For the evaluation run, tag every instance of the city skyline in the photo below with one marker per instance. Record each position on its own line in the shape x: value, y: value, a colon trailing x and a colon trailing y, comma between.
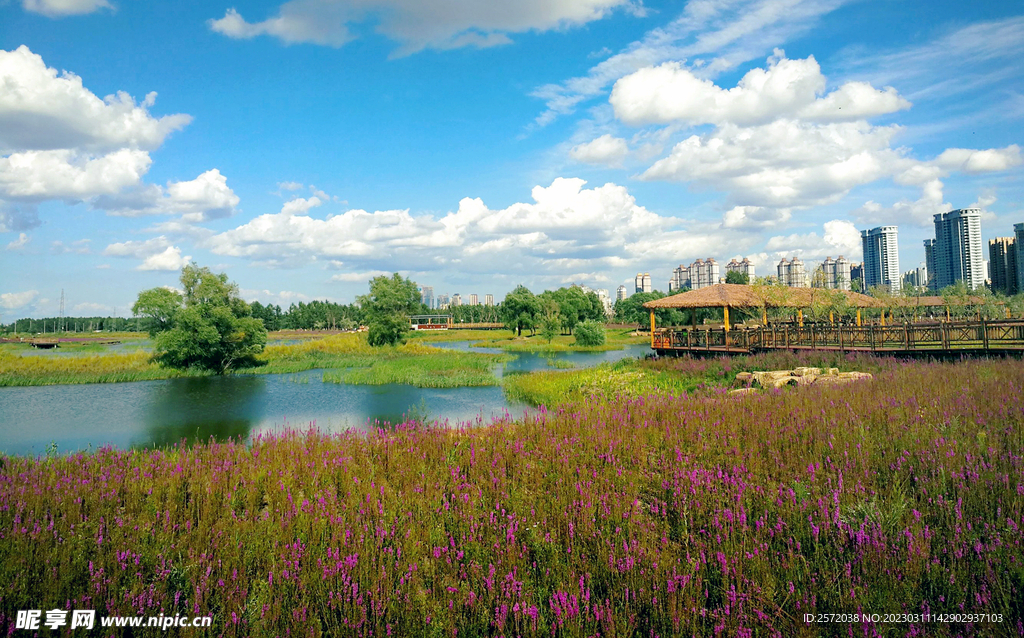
x: 338, y: 148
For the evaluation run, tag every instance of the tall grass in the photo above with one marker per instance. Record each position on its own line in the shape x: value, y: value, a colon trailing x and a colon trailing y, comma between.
x: 651, y: 516
x: 16, y: 370
x: 441, y: 369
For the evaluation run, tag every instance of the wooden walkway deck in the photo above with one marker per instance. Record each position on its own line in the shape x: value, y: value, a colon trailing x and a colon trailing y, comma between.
x: 939, y: 339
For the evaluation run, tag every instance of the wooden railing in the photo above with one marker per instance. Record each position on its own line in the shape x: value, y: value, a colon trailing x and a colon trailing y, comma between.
x: 944, y: 336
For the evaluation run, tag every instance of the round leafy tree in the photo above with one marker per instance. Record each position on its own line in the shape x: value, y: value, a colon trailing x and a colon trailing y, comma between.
x: 207, y: 327
x: 590, y: 333
x: 388, y: 306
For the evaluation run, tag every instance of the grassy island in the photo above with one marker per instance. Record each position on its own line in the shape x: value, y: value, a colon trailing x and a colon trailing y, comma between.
x: 349, y: 355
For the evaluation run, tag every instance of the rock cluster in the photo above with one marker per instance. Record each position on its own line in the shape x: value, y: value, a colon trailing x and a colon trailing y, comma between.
x: 797, y: 376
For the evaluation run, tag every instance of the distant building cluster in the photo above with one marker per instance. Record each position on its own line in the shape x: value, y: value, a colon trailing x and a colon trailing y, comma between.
x: 602, y: 294
x: 441, y: 302
x: 955, y: 254
x: 916, y: 279
x: 700, y: 274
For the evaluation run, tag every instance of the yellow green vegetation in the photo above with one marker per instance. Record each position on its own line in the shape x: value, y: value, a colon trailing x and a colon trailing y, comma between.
x: 412, y: 363
x: 506, y: 340
x: 445, y: 369
x: 631, y: 378
x: 17, y: 370
x: 625, y: 379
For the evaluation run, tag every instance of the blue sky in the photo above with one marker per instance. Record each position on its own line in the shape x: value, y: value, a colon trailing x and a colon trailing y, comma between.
x: 305, y: 147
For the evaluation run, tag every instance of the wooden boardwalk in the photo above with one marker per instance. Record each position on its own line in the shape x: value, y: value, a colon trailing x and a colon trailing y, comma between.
x: 938, y: 339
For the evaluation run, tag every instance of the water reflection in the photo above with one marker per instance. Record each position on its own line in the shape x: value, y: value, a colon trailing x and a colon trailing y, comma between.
x: 198, y: 409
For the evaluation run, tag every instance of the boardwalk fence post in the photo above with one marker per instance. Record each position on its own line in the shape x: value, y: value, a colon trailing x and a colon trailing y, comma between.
x: 984, y: 334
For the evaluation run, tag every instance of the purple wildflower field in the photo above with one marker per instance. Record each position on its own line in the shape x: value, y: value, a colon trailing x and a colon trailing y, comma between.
x: 706, y: 515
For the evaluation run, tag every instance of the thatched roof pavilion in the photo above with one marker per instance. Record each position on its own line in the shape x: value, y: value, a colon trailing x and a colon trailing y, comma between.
x: 728, y: 296
x: 740, y: 296
x: 934, y: 301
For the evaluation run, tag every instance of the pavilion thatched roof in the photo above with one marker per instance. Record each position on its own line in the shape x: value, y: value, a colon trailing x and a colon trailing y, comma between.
x: 740, y: 296
x: 935, y: 301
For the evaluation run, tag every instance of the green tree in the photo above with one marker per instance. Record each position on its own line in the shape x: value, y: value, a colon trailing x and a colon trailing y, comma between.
x: 159, y: 306
x: 590, y: 333
x: 551, y: 323
x: 520, y: 309
x: 737, y: 277
x: 388, y: 306
x: 212, y: 327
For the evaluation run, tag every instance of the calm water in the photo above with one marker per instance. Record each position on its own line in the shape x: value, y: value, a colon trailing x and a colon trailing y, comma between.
x: 146, y: 413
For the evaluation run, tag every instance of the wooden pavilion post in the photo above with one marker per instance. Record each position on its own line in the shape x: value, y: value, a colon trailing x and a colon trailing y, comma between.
x: 652, y: 328
x: 725, y: 313
x: 858, y: 318
x: 831, y: 318
x: 800, y: 317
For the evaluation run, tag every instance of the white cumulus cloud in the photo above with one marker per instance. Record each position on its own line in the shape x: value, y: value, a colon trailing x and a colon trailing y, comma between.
x: 206, y: 197
x: 605, y: 150
x: 156, y: 253
x: 566, y: 229
x: 61, y: 8
x: 19, y: 243
x: 43, y: 110
x: 59, y: 141
x: 416, y: 25
x: 779, y: 142
x: 786, y: 88
x: 169, y: 259
x: 15, y: 300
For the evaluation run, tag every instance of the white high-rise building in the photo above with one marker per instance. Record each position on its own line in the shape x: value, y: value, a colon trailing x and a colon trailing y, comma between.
x: 456, y: 300
x: 835, y: 274
x: 959, y: 255
x: 680, y: 279
x: 743, y: 267
x: 427, y: 296
x: 488, y: 300
x: 881, y: 257
x: 643, y: 282
x: 474, y: 300
x: 791, y: 273
x: 620, y: 293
